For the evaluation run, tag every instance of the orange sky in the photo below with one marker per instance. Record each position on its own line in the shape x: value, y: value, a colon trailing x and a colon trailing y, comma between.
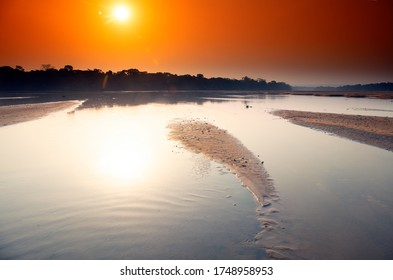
x: 296, y: 41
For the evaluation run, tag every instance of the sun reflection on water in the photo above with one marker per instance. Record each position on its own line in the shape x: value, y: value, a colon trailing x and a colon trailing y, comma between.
x: 123, y: 154
x: 123, y: 161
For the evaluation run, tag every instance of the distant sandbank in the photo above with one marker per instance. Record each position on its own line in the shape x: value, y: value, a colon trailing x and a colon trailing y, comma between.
x: 347, y: 94
x: 21, y: 113
x: 375, y: 131
x: 220, y: 146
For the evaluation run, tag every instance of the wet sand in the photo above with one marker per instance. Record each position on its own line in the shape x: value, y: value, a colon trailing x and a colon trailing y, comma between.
x: 21, y: 113
x: 375, y: 131
x: 347, y: 94
x: 220, y: 146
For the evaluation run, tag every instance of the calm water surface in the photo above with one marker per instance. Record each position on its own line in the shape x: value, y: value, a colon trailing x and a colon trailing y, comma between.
x: 104, y: 182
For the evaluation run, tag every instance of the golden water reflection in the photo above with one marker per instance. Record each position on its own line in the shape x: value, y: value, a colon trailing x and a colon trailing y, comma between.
x: 107, y: 183
x: 123, y: 159
x: 122, y: 146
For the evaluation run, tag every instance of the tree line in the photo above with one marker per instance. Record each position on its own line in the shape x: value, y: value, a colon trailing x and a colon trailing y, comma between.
x: 48, y: 78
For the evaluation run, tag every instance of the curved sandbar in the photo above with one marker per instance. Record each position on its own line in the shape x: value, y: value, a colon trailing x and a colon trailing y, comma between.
x: 21, y: 113
x: 219, y: 146
x: 376, y: 131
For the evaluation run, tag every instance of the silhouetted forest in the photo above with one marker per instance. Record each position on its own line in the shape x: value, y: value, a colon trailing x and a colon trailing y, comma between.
x: 69, y: 79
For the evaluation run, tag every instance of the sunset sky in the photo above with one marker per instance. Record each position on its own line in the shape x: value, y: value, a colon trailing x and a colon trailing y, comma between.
x: 302, y: 42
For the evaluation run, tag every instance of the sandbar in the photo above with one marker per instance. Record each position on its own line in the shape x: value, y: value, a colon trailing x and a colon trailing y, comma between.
x: 347, y: 94
x: 218, y: 145
x: 25, y: 112
x: 371, y: 130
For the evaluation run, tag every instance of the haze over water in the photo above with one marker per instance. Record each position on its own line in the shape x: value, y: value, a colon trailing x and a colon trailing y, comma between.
x: 105, y: 182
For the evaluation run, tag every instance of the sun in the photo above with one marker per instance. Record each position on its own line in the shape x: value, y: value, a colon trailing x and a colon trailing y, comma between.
x: 121, y: 13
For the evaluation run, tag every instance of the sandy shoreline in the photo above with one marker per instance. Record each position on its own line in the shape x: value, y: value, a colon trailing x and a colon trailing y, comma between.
x: 219, y: 146
x: 375, y: 131
x: 347, y: 94
x: 21, y: 113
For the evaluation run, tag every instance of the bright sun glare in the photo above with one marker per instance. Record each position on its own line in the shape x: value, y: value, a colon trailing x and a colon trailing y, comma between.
x: 121, y: 12
x: 123, y: 159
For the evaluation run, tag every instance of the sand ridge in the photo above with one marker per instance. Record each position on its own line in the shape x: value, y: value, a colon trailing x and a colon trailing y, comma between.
x: 21, y: 113
x: 371, y: 130
x: 220, y: 146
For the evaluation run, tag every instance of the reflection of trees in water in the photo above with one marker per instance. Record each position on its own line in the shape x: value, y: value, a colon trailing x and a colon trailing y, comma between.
x: 99, y: 99
x: 115, y: 98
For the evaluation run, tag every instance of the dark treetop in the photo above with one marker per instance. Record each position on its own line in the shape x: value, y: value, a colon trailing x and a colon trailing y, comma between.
x: 69, y: 79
